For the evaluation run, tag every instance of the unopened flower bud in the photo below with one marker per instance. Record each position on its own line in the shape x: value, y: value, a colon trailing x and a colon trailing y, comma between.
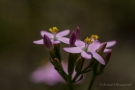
x: 107, y: 57
x: 77, y: 32
x: 79, y: 64
x: 47, y: 43
x: 57, y: 63
x: 101, y: 48
x: 72, y: 39
x: 100, y: 68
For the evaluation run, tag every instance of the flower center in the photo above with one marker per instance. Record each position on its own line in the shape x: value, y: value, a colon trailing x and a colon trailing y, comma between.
x: 89, y: 41
x: 54, y: 30
x: 94, y: 37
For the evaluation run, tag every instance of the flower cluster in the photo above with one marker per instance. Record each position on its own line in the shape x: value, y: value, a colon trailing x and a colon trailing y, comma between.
x: 90, y: 49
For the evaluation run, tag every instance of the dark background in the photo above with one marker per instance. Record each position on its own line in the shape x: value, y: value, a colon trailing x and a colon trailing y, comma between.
x: 22, y: 20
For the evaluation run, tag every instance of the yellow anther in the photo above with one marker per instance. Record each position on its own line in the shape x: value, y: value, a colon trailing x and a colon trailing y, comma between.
x: 95, y: 37
x: 88, y: 40
x: 53, y: 30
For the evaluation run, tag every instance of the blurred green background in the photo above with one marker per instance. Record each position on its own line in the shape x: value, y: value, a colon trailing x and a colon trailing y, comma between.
x: 22, y: 20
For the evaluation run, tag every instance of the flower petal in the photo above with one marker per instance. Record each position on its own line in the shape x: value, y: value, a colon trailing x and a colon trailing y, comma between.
x: 38, y: 41
x: 47, y: 33
x: 107, y: 50
x: 56, y: 42
x: 85, y: 55
x: 64, y: 40
x: 98, y: 58
x: 63, y: 33
x: 111, y: 43
x: 73, y: 49
x: 79, y: 43
x: 46, y: 74
x: 95, y: 45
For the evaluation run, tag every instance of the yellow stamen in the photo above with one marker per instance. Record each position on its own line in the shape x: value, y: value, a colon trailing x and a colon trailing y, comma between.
x: 88, y: 40
x: 53, y: 30
x: 95, y: 37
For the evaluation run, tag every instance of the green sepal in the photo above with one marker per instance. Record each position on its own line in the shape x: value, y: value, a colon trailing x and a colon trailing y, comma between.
x: 58, y: 67
x: 98, y: 67
x: 79, y: 64
x: 55, y: 53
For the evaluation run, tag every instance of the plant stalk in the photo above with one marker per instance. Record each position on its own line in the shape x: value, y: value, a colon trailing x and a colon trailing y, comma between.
x: 91, y: 82
x: 70, y: 86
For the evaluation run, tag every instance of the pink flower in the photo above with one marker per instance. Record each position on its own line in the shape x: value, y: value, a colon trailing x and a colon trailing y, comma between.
x: 96, y: 44
x: 85, y: 53
x: 48, y: 75
x: 88, y: 48
x: 54, y: 36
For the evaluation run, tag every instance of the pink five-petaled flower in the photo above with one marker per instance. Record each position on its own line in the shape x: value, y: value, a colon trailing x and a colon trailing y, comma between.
x: 96, y: 44
x: 89, y: 47
x: 54, y: 36
x: 86, y: 49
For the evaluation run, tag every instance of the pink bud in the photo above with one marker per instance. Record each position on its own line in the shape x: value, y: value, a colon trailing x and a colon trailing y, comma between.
x: 47, y: 43
x: 107, y: 57
x: 101, y: 48
x: 72, y: 39
x: 77, y: 32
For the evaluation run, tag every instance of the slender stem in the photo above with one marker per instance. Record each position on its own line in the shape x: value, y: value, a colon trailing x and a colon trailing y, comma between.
x: 92, y: 81
x: 69, y: 83
x: 70, y: 86
x: 88, y: 67
x: 76, y: 76
x: 63, y: 76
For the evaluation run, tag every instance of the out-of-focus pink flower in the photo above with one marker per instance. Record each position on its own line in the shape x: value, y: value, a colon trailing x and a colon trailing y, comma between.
x: 54, y: 36
x: 48, y: 75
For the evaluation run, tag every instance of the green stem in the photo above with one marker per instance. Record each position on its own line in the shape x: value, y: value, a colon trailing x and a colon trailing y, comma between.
x: 88, y: 67
x: 70, y: 86
x: 64, y: 76
x: 71, y: 62
x: 76, y: 76
x: 92, y: 81
x: 69, y: 83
